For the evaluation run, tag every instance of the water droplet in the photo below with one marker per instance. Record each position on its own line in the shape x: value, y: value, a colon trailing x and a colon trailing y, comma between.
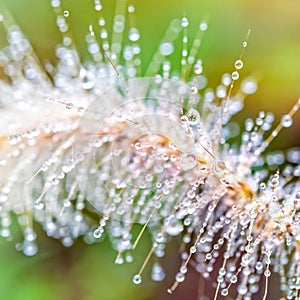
x: 235, y: 75
x: 97, y: 233
x: 184, y: 22
x: 245, y: 44
x: 198, y: 68
x: 29, y: 248
x: 119, y: 260
x: 226, y: 79
x: 224, y: 292
x: 131, y: 8
x: 67, y: 203
x: 180, y: 277
x: 208, y: 256
x: 262, y: 186
x: 98, y: 5
x: 203, y: 26
x: 137, y: 279
x: 194, y: 90
x: 259, y: 266
x: 193, y: 116
x: 38, y: 204
x: 286, y: 121
x: 138, y: 146
x: 249, y: 86
x: 242, y: 289
x: 188, y: 161
x: 66, y: 13
x: 134, y: 34
x: 193, y: 249
x: 158, y: 273
x: 221, y: 91
x: 119, y: 23
x: 238, y: 64
x: 174, y: 227
x: 166, y: 48
x: 55, y: 3
x: 184, y: 120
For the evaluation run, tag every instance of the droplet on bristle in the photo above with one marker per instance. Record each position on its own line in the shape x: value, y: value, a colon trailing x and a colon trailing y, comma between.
x: 239, y: 64
x: 286, y: 120
x: 235, y: 75
x: 203, y: 26
x: 137, y: 279
x: 131, y: 8
x: 184, y: 22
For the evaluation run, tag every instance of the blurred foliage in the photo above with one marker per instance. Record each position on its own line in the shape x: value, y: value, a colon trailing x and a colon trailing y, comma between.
x: 88, y: 272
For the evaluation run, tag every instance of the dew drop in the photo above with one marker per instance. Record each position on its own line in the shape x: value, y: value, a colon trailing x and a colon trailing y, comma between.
x: 67, y: 203
x: 194, y: 90
x: 238, y: 64
x: 188, y: 161
x: 174, y: 227
x: 30, y: 248
x: 119, y: 260
x: 180, y: 277
x: 203, y: 26
x: 184, y: 22
x: 245, y: 44
x: 131, y: 8
x: 184, y: 120
x: 286, y: 120
x: 137, y: 279
x: 193, y: 249
x: 249, y: 86
x: 55, y: 3
x: 198, y: 68
x: 158, y: 273
x: 66, y: 13
x: 38, y: 204
x: 224, y: 292
x: 97, y: 233
x: 242, y: 289
x: 235, y: 75
x: 226, y: 79
x: 138, y: 146
x: 193, y: 116
x: 134, y: 34
x: 166, y: 48
x: 259, y: 266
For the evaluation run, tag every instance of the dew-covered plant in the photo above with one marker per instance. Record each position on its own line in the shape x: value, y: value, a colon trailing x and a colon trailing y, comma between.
x: 91, y: 148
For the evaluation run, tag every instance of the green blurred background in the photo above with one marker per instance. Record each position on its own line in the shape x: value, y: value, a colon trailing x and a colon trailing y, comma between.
x: 273, y: 56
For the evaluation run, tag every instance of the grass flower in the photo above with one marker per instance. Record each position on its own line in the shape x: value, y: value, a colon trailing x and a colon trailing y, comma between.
x: 89, y: 148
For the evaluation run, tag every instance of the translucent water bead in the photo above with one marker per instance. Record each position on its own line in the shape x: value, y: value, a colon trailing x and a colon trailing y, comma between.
x: 286, y: 121
x: 158, y: 273
x: 137, y: 279
x: 239, y: 64
x: 193, y: 116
